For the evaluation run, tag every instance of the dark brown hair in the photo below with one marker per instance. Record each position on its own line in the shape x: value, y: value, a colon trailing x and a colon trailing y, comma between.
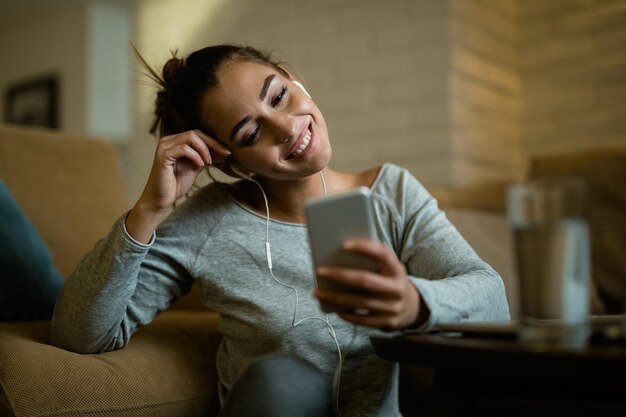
x: 183, y: 82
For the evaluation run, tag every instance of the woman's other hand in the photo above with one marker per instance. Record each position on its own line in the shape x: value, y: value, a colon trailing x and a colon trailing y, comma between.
x: 177, y: 162
x: 385, y: 299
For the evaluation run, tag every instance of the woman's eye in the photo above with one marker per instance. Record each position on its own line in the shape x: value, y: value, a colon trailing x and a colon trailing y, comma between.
x: 250, y: 140
x: 279, y: 97
x: 253, y: 137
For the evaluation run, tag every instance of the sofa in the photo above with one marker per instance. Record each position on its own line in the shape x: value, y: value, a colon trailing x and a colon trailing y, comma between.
x: 71, y: 188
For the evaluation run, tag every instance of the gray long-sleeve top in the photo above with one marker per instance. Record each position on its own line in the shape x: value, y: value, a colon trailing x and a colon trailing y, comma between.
x: 122, y: 285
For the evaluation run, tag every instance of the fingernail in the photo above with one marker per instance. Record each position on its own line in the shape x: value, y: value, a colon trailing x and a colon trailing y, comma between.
x: 322, y: 270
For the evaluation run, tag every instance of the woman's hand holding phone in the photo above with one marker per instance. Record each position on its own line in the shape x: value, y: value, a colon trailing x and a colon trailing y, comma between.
x: 358, y: 277
x: 177, y: 162
x: 384, y: 299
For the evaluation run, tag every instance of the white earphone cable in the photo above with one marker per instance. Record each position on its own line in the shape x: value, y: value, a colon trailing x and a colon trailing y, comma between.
x: 294, y: 323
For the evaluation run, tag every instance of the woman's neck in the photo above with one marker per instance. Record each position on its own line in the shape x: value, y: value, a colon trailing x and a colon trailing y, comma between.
x: 287, y: 199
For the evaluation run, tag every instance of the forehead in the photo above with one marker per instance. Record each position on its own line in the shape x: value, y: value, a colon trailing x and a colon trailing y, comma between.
x: 237, y: 74
x: 236, y: 95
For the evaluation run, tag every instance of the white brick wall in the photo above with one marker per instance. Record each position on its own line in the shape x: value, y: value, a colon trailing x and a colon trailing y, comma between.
x: 532, y: 77
x: 377, y: 69
x: 574, y: 72
x: 486, y: 91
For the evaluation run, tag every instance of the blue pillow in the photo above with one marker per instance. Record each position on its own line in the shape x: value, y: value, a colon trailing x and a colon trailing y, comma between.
x: 29, y: 283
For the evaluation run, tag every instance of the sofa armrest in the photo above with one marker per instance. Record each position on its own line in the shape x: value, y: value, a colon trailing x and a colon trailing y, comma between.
x: 167, y: 369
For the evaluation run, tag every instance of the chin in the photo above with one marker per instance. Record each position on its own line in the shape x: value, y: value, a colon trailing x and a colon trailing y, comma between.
x: 322, y: 161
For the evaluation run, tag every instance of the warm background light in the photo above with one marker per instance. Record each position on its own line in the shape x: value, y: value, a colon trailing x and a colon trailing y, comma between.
x: 458, y: 91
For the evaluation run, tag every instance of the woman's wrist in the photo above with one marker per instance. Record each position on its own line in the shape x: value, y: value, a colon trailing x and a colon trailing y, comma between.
x: 142, y: 221
x: 422, y: 314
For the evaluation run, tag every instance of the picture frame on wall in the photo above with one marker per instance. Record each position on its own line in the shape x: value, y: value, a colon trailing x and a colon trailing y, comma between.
x: 33, y: 102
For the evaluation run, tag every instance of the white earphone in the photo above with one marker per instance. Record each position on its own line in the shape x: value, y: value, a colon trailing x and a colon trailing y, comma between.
x: 268, y: 254
x: 299, y: 84
x: 295, y: 322
x: 237, y: 171
x: 234, y: 168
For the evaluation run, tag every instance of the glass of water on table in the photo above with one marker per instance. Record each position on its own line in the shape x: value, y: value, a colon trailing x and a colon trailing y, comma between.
x: 552, y: 259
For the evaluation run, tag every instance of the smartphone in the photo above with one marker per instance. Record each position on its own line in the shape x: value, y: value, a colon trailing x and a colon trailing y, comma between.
x: 334, y: 219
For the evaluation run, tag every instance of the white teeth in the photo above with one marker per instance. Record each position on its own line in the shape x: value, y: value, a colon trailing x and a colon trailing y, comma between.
x: 305, y: 142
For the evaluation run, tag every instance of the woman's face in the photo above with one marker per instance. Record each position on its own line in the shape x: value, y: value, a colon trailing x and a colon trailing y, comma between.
x: 268, y: 123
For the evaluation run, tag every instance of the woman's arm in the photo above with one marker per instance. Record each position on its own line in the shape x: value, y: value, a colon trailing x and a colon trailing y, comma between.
x: 118, y: 287
x: 129, y: 277
x: 451, y: 278
x: 428, y: 273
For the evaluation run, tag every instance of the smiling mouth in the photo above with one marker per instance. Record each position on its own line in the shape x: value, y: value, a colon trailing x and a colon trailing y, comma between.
x: 306, y: 141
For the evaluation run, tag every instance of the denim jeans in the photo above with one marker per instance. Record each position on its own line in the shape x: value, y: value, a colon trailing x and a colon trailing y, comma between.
x: 280, y: 385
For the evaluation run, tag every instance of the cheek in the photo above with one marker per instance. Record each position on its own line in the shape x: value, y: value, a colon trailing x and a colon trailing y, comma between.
x: 318, y: 117
x: 259, y: 155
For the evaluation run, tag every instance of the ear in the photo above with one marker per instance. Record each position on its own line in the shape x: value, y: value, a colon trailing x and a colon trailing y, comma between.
x: 299, y: 84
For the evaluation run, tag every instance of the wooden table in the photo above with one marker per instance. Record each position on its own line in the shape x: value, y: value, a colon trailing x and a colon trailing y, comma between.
x: 477, y: 376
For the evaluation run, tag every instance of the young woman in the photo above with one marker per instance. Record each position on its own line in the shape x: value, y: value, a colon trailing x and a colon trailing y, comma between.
x: 235, y: 109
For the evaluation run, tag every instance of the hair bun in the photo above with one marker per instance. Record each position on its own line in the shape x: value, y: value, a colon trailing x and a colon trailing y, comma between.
x: 171, y: 70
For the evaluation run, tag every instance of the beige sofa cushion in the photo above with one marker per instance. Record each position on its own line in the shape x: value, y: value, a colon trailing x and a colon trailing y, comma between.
x: 69, y: 187
x: 166, y: 370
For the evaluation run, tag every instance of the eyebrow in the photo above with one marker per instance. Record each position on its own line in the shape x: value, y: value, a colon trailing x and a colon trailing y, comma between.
x: 266, y: 86
x: 262, y: 95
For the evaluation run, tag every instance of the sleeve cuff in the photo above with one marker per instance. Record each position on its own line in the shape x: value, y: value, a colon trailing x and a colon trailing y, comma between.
x: 133, y: 240
x: 425, y: 298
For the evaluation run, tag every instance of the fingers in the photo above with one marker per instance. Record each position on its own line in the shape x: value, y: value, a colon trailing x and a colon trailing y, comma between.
x: 368, y: 309
x: 354, y: 290
x: 194, y: 145
x: 218, y: 152
x: 386, y: 258
x: 389, y: 282
x: 360, y: 280
x: 384, y: 299
x: 386, y: 313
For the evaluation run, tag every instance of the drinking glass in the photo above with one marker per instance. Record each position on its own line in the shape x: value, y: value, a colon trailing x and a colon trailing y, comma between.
x: 552, y: 258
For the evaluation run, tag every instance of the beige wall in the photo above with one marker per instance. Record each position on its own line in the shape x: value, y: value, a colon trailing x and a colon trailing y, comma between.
x: 83, y: 43
x: 49, y: 43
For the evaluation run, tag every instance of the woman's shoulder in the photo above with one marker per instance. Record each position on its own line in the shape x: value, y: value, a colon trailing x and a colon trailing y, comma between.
x: 398, y: 187
x: 392, y: 177
x: 368, y: 177
x: 386, y: 179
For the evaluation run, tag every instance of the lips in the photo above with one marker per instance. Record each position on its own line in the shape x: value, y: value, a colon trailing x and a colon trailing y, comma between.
x: 302, y: 144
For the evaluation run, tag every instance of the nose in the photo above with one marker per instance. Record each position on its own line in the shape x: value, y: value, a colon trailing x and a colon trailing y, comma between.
x: 284, y: 128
